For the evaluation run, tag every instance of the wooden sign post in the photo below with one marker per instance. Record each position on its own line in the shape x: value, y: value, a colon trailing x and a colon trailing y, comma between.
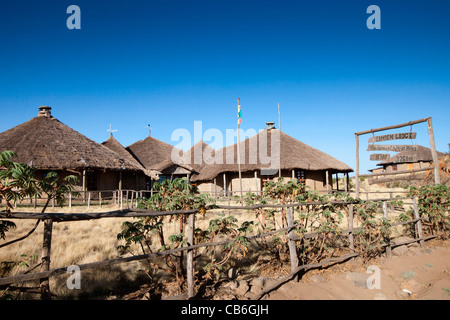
x: 380, y: 156
x: 391, y: 147
x: 437, y: 179
x: 397, y: 148
x: 393, y: 136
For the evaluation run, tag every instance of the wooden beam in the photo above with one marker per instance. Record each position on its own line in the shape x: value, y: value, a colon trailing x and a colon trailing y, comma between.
x: 437, y: 179
x: 357, y: 167
x: 410, y: 123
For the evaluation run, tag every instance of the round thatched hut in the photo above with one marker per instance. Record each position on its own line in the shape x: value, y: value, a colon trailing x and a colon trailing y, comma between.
x: 49, y: 145
x: 156, y: 155
x: 143, y: 182
x: 262, y: 158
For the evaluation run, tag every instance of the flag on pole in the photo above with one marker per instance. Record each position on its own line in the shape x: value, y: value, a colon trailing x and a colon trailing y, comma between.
x: 239, y: 113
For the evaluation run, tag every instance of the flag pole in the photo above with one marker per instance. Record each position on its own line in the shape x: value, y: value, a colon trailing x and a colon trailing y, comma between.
x: 238, y: 150
x: 279, y: 128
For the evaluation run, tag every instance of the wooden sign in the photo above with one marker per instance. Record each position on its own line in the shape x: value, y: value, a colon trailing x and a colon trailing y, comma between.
x: 393, y: 136
x: 404, y: 158
x: 380, y: 156
x: 394, y: 148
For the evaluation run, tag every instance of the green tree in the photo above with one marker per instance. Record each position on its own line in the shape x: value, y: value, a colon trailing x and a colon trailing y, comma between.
x: 16, y: 182
x: 169, y: 196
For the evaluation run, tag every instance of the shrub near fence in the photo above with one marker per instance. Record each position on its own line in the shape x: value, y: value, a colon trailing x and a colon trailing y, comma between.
x: 311, y: 232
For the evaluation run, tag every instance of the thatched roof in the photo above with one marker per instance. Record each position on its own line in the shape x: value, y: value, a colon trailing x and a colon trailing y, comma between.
x: 47, y: 143
x: 195, y: 156
x: 115, y: 146
x: 422, y: 154
x: 155, y: 154
x: 294, y: 154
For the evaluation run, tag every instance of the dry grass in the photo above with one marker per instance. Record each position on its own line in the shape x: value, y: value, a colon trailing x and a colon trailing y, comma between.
x: 80, y: 242
x: 74, y: 243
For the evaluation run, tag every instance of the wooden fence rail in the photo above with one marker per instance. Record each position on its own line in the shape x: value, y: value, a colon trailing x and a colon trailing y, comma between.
x: 289, y: 230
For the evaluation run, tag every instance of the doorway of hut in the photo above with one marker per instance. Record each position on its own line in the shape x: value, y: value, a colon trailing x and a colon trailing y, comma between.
x: 91, y: 180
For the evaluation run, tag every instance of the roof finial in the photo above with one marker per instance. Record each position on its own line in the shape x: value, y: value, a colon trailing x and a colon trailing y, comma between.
x: 111, y: 130
x: 149, y: 130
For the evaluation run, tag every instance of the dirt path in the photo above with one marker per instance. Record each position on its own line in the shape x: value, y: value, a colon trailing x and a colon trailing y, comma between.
x: 413, y: 273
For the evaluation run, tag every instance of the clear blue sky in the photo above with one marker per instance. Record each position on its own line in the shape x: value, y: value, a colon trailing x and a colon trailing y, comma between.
x: 169, y: 63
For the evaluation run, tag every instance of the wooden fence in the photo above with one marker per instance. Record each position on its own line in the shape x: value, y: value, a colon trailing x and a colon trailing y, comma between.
x: 289, y: 230
x: 129, y: 198
x: 123, y: 198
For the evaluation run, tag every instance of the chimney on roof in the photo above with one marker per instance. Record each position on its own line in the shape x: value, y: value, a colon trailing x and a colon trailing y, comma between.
x: 270, y: 125
x: 45, y: 111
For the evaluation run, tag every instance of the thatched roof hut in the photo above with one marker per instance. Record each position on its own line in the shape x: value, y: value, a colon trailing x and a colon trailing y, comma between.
x: 48, y: 144
x: 294, y: 154
x: 155, y: 154
x: 199, y: 155
x: 115, y: 146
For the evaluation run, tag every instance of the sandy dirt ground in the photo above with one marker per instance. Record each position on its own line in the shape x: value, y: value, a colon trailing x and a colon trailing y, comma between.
x: 415, y: 273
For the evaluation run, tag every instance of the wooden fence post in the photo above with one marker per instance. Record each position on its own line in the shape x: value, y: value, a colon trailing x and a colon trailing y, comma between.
x: 419, y: 222
x: 388, y: 240
x: 45, y: 266
x: 70, y: 200
x: 190, y: 257
x: 100, y: 198
x: 291, y: 241
x: 350, y: 227
x: 132, y: 198
x: 89, y: 200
